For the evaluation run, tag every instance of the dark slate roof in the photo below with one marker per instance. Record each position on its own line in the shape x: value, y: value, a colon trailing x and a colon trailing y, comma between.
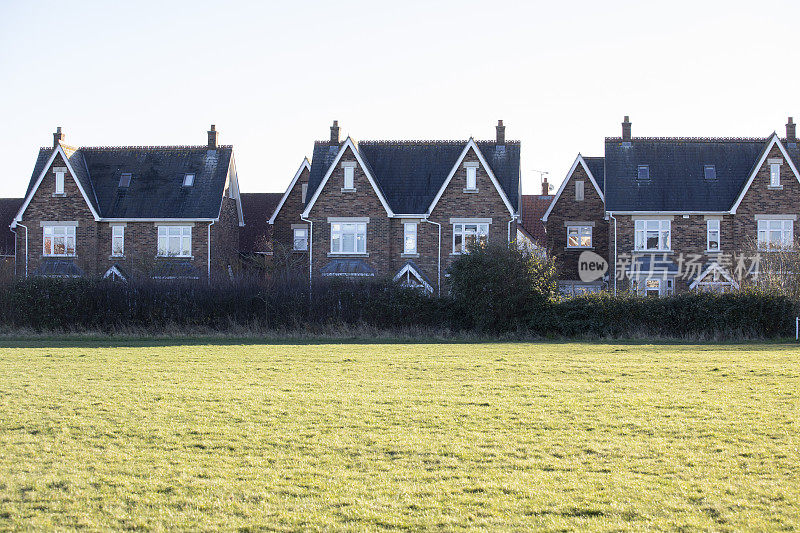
x: 156, y: 188
x: 651, y: 264
x: 677, y: 181
x: 347, y: 267
x: 597, y: 168
x: 175, y: 270
x: 410, y: 173
x: 257, y: 207
x: 533, y: 208
x: 65, y: 268
x: 9, y: 207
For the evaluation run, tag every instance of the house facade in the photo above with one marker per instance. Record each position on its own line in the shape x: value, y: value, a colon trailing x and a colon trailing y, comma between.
x: 398, y: 209
x: 157, y: 211
x: 682, y: 213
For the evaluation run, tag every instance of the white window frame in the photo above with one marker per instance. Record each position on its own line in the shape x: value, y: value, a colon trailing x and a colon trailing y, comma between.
x: 170, y: 234
x: 766, y: 229
x: 349, y: 183
x: 713, y: 227
x: 302, y: 239
x: 464, y: 231
x: 188, y: 180
x: 341, y: 229
x: 579, y: 190
x: 410, y: 235
x: 60, y: 176
x: 644, y: 226
x: 775, y: 175
x: 117, y: 234
x: 580, y: 232
x: 471, y: 183
x: 59, y: 231
x: 663, y: 286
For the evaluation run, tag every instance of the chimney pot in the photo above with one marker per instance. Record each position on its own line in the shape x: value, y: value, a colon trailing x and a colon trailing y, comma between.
x: 213, y: 138
x: 58, y: 137
x: 335, y: 132
x: 626, y: 129
x: 501, y: 133
x: 791, y: 131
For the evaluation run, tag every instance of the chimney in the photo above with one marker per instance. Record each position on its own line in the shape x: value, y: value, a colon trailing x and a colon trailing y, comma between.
x: 58, y: 137
x: 545, y: 186
x: 626, y: 130
x: 213, y: 137
x: 501, y: 133
x: 791, y: 132
x: 335, y: 132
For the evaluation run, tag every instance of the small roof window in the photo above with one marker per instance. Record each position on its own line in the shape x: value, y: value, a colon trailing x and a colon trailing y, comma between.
x: 188, y: 180
x: 710, y: 172
x: 644, y: 173
x: 125, y: 180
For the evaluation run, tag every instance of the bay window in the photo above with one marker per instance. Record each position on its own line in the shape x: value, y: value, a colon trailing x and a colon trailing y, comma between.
x: 775, y: 233
x: 58, y: 240
x: 579, y: 236
x: 467, y: 235
x: 652, y: 235
x: 348, y: 237
x: 174, y: 241
x: 712, y: 236
x: 410, y: 238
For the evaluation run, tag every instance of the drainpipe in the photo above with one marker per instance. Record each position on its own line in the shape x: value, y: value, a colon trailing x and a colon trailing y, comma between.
x: 513, y: 218
x: 439, y: 264
x: 15, y: 249
x: 614, y: 272
x: 26, y: 250
x: 209, y: 251
x: 310, y: 251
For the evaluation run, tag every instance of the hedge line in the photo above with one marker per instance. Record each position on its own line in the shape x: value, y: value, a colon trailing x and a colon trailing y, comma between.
x: 85, y: 305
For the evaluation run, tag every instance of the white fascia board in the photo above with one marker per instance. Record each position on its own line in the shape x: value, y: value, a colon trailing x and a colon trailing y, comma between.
x: 773, y: 141
x: 165, y: 220
x: 233, y: 177
x: 348, y: 143
x: 29, y: 197
x: 578, y: 161
x: 671, y: 213
x: 303, y: 166
x: 406, y: 268
x: 470, y: 144
x: 718, y: 268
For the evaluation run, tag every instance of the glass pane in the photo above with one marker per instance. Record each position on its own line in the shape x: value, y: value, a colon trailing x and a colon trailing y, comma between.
x: 348, y: 242
x: 652, y: 240
x: 70, y: 246
x: 186, y: 246
x: 174, y: 230
x: 458, y: 243
x: 665, y: 240
x: 174, y: 245
x: 336, y: 244
x: 58, y: 245
x: 471, y: 227
x: 48, y: 245
x: 586, y: 241
x: 361, y: 243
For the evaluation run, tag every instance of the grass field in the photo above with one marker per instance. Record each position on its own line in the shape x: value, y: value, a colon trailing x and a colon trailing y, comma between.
x: 388, y: 436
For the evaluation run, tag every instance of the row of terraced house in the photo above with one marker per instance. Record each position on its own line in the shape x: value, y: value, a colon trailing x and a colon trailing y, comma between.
x: 654, y: 215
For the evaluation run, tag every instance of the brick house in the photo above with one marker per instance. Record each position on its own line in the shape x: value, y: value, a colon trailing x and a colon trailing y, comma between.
x: 531, y: 231
x: 398, y: 209
x: 159, y: 211
x: 8, y: 210
x: 687, y: 213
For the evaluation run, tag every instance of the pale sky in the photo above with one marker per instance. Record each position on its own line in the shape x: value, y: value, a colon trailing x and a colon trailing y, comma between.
x: 273, y: 75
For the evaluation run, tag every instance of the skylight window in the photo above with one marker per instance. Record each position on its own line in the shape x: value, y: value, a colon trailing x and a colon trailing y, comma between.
x: 710, y: 172
x: 188, y: 180
x: 125, y: 180
x: 644, y: 173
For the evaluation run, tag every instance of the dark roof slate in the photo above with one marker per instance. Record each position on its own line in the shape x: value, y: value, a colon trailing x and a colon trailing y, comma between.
x: 257, y: 207
x: 676, y: 166
x: 62, y: 268
x: 410, y: 173
x: 347, y: 267
x: 597, y: 168
x: 9, y: 207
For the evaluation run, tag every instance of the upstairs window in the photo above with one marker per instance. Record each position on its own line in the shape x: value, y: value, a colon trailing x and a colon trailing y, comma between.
x: 300, y: 239
x: 188, y: 180
x: 59, y: 241
x: 117, y: 241
x: 579, y: 236
x: 775, y: 234
x: 348, y: 238
x: 349, y: 176
x: 465, y: 236
x: 60, y: 182
x: 124, y: 180
x: 410, y: 238
x: 710, y: 172
x: 472, y: 177
x: 644, y: 173
x: 579, y: 190
x: 652, y: 235
x: 775, y: 175
x: 303, y: 191
x: 174, y: 241
x: 712, y: 236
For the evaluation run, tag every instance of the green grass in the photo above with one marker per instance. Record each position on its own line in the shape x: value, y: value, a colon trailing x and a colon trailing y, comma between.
x: 389, y: 436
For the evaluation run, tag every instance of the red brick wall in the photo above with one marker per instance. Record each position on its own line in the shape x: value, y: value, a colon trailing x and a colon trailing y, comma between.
x: 290, y: 213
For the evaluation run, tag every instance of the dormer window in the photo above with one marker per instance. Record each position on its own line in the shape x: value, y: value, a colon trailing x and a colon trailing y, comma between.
x: 644, y: 173
x: 472, y: 177
x: 349, y: 176
x: 710, y: 172
x: 188, y: 180
x: 125, y: 180
x: 60, y: 173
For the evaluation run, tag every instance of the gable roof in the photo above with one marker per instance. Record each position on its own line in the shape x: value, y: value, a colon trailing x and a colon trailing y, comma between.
x: 305, y: 165
x: 8, y: 210
x: 410, y: 174
x: 790, y: 152
x: 253, y: 236
x: 676, y: 167
x: 586, y: 163
x: 531, y: 212
x: 156, y: 188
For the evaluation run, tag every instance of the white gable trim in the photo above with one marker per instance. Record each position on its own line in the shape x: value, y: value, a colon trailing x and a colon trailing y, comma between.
x: 471, y: 144
x: 305, y: 165
x: 706, y: 272
x: 578, y: 161
x: 56, y: 151
x: 775, y: 140
x: 114, y: 271
x: 348, y: 144
x: 409, y: 268
x: 233, y: 186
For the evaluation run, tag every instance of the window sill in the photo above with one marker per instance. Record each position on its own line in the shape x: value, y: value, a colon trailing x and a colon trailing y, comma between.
x: 346, y: 254
x: 409, y: 255
x: 58, y: 256
x: 775, y: 187
x: 174, y: 257
x: 114, y: 257
x: 568, y: 248
x: 59, y: 194
x: 646, y: 252
x: 471, y: 191
x: 300, y: 251
x: 709, y: 252
x: 348, y: 190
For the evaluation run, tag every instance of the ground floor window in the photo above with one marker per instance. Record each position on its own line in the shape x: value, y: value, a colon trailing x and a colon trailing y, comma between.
x: 348, y: 237
x: 654, y: 286
x: 300, y: 239
x: 467, y: 235
x: 59, y: 241
x: 579, y: 236
x: 776, y: 233
x: 174, y: 241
